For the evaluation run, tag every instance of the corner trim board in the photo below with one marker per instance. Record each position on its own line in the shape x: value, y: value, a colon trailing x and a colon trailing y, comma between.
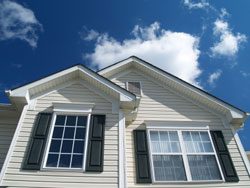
x: 122, y: 158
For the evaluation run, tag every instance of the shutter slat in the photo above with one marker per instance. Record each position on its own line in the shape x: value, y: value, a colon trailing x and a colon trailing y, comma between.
x: 37, y: 142
x: 143, y: 174
x: 95, y: 153
x: 225, y: 160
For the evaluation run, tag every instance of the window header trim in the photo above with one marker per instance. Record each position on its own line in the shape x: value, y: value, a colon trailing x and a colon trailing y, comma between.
x: 73, y: 107
x: 180, y: 125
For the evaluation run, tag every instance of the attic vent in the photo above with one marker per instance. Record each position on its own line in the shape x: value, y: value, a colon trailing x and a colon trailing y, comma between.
x: 134, y: 87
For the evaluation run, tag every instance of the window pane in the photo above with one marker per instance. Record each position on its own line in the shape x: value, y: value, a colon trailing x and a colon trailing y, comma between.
x: 55, y: 146
x: 52, y: 160
x: 208, y: 147
x: 60, y: 120
x: 82, y: 121
x: 173, y: 136
x: 197, y: 141
x: 80, y: 133
x: 57, y: 133
x: 169, y: 168
x: 195, y: 136
x: 77, y: 161
x: 69, y: 132
x: 67, y: 146
x: 78, y: 146
x: 204, y: 167
x: 154, y: 136
x: 204, y: 136
x: 164, y: 142
x: 164, y: 136
x: 71, y: 121
x: 64, y: 160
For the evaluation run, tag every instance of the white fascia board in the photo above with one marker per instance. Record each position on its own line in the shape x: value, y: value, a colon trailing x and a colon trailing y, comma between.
x: 113, y: 67
x: 21, y: 91
x: 124, y: 95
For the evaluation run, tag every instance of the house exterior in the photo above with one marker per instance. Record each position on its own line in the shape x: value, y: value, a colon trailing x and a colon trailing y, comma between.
x: 128, y: 125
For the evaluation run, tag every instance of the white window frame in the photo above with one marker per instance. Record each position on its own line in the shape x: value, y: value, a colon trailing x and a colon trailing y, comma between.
x: 183, y: 153
x: 49, y: 138
x: 135, y: 81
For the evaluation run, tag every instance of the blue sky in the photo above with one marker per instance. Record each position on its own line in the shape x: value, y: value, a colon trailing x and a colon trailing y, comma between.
x: 203, y: 42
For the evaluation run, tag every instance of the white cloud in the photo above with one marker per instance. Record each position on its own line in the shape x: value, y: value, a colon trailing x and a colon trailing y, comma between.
x: 245, y: 74
x: 92, y: 35
x: 229, y: 43
x: 214, y: 77
x: 196, y: 4
x: 18, y: 22
x: 175, y: 52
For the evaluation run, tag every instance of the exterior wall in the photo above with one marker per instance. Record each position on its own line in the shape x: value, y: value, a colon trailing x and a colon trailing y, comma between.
x: 16, y: 177
x: 7, y: 129
x: 158, y: 103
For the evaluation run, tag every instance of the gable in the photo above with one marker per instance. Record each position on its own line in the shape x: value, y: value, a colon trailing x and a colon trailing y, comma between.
x: 233, y: 114
x: 31, y: 90
x: 161, y: 103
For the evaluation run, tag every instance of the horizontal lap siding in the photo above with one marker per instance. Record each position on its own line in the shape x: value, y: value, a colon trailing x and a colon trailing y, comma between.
x: 158, y: 103
x: 15, y: 177
x: 7, y: 129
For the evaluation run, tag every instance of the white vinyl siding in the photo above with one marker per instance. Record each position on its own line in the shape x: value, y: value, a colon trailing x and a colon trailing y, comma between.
x: 16, y: 177
x: 161, y: 104
x: 7, y: 129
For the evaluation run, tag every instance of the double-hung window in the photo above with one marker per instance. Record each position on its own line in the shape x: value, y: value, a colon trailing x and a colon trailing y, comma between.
x: 180, y: 155
x: 67, y: 143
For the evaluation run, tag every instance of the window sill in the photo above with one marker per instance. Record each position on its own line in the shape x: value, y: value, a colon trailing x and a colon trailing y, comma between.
x: 187, y: 182
x: 47, y: 169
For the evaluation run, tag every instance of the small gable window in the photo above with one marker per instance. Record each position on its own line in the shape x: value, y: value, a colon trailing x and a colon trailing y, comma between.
x: 134, y: 87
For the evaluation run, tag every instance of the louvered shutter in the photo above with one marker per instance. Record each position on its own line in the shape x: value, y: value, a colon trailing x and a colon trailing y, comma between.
x: 37, y: 142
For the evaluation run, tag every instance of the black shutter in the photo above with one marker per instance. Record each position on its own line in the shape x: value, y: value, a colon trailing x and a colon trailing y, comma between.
x: 95, y: 153
x: 37, y: 142
x: 226, y: 162
x: 143, y: 174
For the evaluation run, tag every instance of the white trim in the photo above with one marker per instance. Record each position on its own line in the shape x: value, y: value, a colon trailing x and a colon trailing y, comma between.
x: 122, y: 157
x: 73, y: 107
x: 180, y: 125
x: 242, y: 150
x: 48, y: 142
x: 13, y: 143
x: 183, y: 154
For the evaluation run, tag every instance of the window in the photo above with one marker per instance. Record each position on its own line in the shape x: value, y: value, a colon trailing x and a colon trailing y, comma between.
x: 67, y: 143
x: 134, y: 87
x: 183, y: 156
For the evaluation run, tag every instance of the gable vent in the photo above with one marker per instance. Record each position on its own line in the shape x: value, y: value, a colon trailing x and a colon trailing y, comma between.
x: 134, y: 87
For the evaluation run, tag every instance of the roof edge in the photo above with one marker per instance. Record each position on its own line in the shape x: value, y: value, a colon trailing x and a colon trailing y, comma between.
x: 175, y: 77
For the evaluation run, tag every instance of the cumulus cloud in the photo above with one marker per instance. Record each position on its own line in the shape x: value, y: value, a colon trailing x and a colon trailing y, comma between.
x: 175, y: 52
x: 18, y: 22
x: 228, y: 43
x: 196, y: 4
x: 214, y: 77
